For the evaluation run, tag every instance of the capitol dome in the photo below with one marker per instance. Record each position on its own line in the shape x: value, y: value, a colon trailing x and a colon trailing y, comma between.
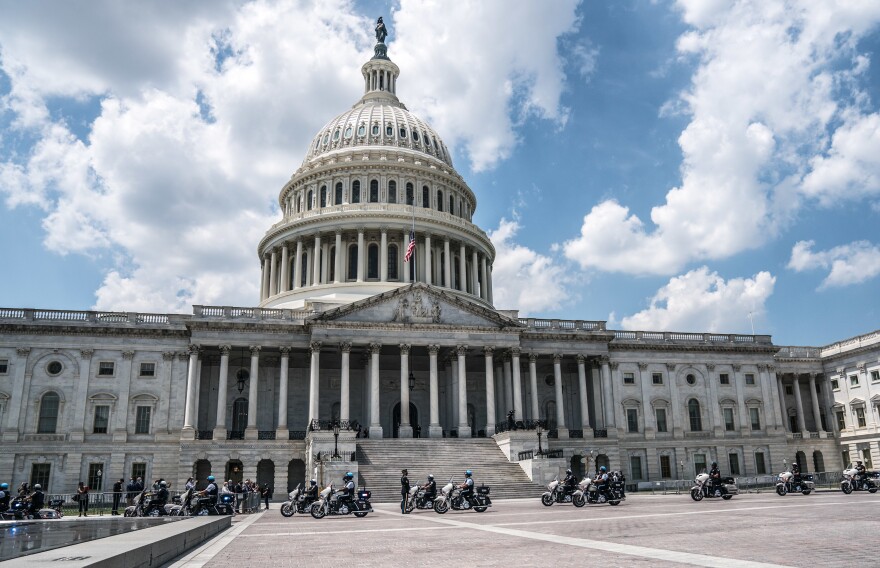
x: 372, y: 178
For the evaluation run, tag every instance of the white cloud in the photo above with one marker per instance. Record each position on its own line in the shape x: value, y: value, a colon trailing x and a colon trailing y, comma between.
x: 702, y: 301
x: 181, y: 201
x: 524, y: 279
x: 848, y: 264
x: 772, y: 80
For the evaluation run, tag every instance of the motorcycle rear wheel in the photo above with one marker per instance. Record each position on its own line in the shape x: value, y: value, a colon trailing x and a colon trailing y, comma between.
x: 696, y: 495
x: 441, y: 507
x: 480, y: 508
x: 287, y: 510
x: 360, y: 514
x: 579, y: 501
x: 780, y: 490
x: 727, y: 497
x: 614, y: 502
x: 846, y: 488
x: 872, y: 490
x: 806, y: 491
x: 546, y: 500
x: 318, y: 512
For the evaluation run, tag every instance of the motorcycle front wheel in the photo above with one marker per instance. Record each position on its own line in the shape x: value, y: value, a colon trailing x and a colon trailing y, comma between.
x: 287, y: 510
x: 614, y: 502
x: 546, y: 500
x: 696, y: 495
x: 872, y: 490
x: 318, y: 512
x: 780, y: 490
x: 806, y: 491
x: 579, y: 501
x: 846, y: 488
x: 441, y: 507
x: 360, y: 514
x: 480, y: 508
x: 727, y: 497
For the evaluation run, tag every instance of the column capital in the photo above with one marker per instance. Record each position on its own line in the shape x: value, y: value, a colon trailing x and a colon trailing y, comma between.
x: 183, y: 355
x: 361, y: 230
x: 736, y: 368
x: 505, y: 356
x: 771, y: 368
x: 225, y: 349
x: 375, y: 348
x: 285, y: 350
x: 604, y: 359
x: 404, y: 348
x: 128, y: 355
x: 710, y: 367
x: 284, y: 245
x: 85, y: 354
x: 515, y: 351
x: 168, y: 355
x: 533, y: 357
x: 671, y: 367
x: 557, y: 357
x: 461, y: 350
x: 433, y: 349
x: 194, y: 349
x: 643, y: 366
x: 383, y: 229
x: 315, y: 346
x: 339, y: 233
x: 580, y: 359
x: 255, y: 350
x: 488, y: 350
x: 613, y: 365
x: 345, y: 347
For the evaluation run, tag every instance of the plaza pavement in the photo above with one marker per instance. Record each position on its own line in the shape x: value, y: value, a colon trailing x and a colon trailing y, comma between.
x: 822, y: 529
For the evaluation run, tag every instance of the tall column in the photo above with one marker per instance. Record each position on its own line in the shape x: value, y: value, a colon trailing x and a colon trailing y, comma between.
x: 582, y: 389
x: 375, y: 418
x: 484, y: 286
x: 285, y: 269
x: 314, y: 382
x: 499, y: 389
x: 264, y: 288
x: 281, y: 432
x: 489, y: 289
x: 714, y: 410
x: 361, y: 252
x: 405, y: 430
x: 816, y: 417
x: 678, y: 420
x: 325, y: 263
x: 608, y: 401
x: 297, y: 266
x: 644, y: 384
x: 829, y: 407
x: 316, y: 271
x: 475, y: 271
x: 192, y: 386
x: 508, y: 384
x: 220, y: 424
x: 250, y: 432
x: 517, y: 383
x: 464, y: 429
x: 383, y: 257
x: 533, y: 383
x: 78, y: 428
x: 786, y: 425
x: 273, y: 273
x: 560, y: 403
x: 428, y: 273
x: 344, y: 381
x: 739, y: 380
x: 772, y: 416
x: 490, y: 392
x: 340, y: 255
x: 800, y: 406
x: 462, y: 268
x: 434, y: 429
x: 447, y: 265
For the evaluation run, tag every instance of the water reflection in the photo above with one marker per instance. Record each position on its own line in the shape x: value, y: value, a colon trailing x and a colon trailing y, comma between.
x: 28, y: 537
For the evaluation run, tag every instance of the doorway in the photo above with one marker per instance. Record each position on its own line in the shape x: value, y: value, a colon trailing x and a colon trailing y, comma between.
x: 413, y: 420
x: 234, y: 471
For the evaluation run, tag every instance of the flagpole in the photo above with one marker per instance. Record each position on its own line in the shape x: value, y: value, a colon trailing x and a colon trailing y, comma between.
x: 413, y: 236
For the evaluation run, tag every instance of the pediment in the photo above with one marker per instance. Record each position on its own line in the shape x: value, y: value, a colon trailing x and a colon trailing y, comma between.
x: 418, y: 304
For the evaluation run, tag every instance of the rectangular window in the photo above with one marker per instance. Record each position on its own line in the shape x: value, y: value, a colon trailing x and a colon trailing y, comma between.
x: 729, y: 426
x: 875, y: 375
x: 853, y: 380
x: 755, y: 417
x: 40, y: 474
x: 789, y: 390
x: 841, y: 421
x: 632, y: 420
x: 665, y: 467
x: 657, y: 378
x: 835, y: 384
x: 4, y: 366
x: 629, y: 379
x: 845, y: 456
x: 724, y: 379
x: 860, y: 416
x: 142, y: 420
x: 866, y: 457
x: 750, y: 379
x: 102, y: 418
x: 760, y: 466
x: 106, y: 368
x: 148, y: 370
x: 734, y: 463
x: 635, y: 466
x: 699, y: 464
x: 96, y: 476
x: 660, y: 413
x: 139, y: 470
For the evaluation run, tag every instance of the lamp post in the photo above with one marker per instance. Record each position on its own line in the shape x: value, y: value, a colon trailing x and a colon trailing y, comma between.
x: 680, y: 475
x: 336, y: 438
x: 539, y: 431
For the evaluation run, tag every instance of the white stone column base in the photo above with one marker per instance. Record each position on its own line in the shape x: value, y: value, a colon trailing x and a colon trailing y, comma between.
x: 490, y: 430
x: 562, y: 433
x: 121, y: 436
x: 435, y: 431
x: 464, y: 431
x: 251, y: 433
x: 282, y: 434
x: 404, y: 431
x: 219, y: 434
x: 185, y: 434
x: 376, y: 432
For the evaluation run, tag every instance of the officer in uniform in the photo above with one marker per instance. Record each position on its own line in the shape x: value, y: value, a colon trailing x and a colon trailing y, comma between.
x: 467, y: 487
x: 404, y: 490
x: 4, y: 497
x: 430, y: 489
x: 208, y: 495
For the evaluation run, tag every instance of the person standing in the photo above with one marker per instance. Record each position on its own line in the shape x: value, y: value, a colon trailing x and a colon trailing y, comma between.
x: 117, y: 496
x: 130, y: 492
x: 267, y: 494
x: 404, y: 490
x: 83, y: 493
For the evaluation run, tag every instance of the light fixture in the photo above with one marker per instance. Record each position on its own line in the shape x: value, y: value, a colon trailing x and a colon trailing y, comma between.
x: 242, y: 377
x: 412, y: 381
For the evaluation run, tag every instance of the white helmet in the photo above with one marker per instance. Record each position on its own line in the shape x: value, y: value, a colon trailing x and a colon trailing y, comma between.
x: 37, y: 487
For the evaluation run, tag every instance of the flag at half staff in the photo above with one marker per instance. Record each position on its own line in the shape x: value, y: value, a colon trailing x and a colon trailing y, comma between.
x: 411, y: 247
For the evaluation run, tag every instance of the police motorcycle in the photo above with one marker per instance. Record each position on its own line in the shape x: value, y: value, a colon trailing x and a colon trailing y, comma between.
x: 450, y: 498
x: 853, y: 480
x: 557, y: 493
x: 299, y: 502
x: 180, y: 506
x: 416, y: 499
x: 613, y: 494
x: 138, y: 509
x: 703, y: 488
x: 786, y: 483
x: 213, y: 503
x: 329, y: 502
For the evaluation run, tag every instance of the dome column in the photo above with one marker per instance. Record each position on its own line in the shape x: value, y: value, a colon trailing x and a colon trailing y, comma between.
x: 284, y: 269
x: 428, y: 277
x: 273, y: 276
x: 447, y: 265
x: 264, y: 289
x: 383, y: 258
x: 339, y: 256
x: 462, y: 268
x: 297, y: 265
x: 489, y: 287
x: 475, y: 271
x: 316, y: 271
x: 360, y: 266
x: 484, y: 286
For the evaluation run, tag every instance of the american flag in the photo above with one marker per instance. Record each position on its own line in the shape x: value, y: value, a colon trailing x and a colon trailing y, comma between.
x: 411, y: 247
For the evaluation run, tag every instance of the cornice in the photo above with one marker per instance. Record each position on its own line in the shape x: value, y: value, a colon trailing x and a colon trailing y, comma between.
x: 696, y: 348
x: 92, y: 329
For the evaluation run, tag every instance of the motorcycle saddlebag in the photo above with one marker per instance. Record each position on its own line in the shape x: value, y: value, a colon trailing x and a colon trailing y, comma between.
x: 227, y: 498
x: 364, y: 494
x: 482, y: 490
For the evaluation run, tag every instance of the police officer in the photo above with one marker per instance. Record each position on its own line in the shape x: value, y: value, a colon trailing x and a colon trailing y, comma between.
x: 4, y: 496
x: 404, y: 490
x: 345, y: 494
x: 796, y: 472
x: 715, y: 477
x: 208, y: 495
x: 467, y: 487
x: 860, y: 473
x: 160, y: 498
x: 570, y: 482
x: 312, y: 491
x: 37, y: 500
x: 430, y: 489
x: 601, y: 480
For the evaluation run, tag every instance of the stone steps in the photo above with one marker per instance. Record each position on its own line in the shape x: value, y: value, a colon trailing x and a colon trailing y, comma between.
x: 380, y: 462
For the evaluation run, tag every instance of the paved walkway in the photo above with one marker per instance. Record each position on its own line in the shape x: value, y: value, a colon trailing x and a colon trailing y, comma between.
x: 826, y: 529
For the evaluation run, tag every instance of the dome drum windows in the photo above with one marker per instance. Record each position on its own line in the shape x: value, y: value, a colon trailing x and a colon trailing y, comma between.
x: 439, y: 200
x: 336, y: 135
x: 415, y: 135
x: 374, y: 191
x: 337, y: 198
x: 374, y: 130
x: 323, y: 196
x: 426, y: 197
x: 392, y: 191
x: 356, y: 191
x: 389, y: 130
x: 347, y: 132
x: 402, y: 133
x: 362, y: 130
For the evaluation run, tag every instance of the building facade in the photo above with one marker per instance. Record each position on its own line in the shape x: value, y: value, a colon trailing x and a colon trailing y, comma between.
x: 352, y: 338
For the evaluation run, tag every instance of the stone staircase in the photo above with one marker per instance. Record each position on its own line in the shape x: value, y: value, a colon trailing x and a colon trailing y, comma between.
x: 380, y: 462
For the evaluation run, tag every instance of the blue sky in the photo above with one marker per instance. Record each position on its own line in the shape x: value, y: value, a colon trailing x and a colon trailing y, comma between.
x: 687, y: 165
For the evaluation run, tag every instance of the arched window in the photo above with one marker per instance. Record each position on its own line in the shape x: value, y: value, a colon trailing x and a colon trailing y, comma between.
x: 461, y: 208
x: 392, y: 192
x: 309, y: 200
x: 389, y: 130
x: 356, y: 191
x: 410, y: 194
x: 373, y: 261
x: 452, y: 205
x: 48, y: 422
x: 439, y: 200
x: 426, y: 197
x: 323, y: 196
x: 392, y: 262
x: 337, y: 199
x: 695, y: 416
x: 332, y: 266
x: 352, y: 262
x: 303, y: 269
x: 298, y: 200
x: 374, y: 191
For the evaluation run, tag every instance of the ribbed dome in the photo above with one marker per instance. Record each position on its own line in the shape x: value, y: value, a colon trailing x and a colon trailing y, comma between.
x: 374, y: 123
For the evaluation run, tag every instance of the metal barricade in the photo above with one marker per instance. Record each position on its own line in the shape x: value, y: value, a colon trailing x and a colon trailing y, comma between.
x: 247, y: 502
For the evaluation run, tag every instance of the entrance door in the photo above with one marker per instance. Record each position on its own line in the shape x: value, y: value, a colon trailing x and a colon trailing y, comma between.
x: 234, y: 471
x: 239, y: 414
x: 413, y: 420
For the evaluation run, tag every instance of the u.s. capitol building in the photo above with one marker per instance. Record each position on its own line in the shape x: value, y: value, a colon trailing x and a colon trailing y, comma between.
x: 349, y: 333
